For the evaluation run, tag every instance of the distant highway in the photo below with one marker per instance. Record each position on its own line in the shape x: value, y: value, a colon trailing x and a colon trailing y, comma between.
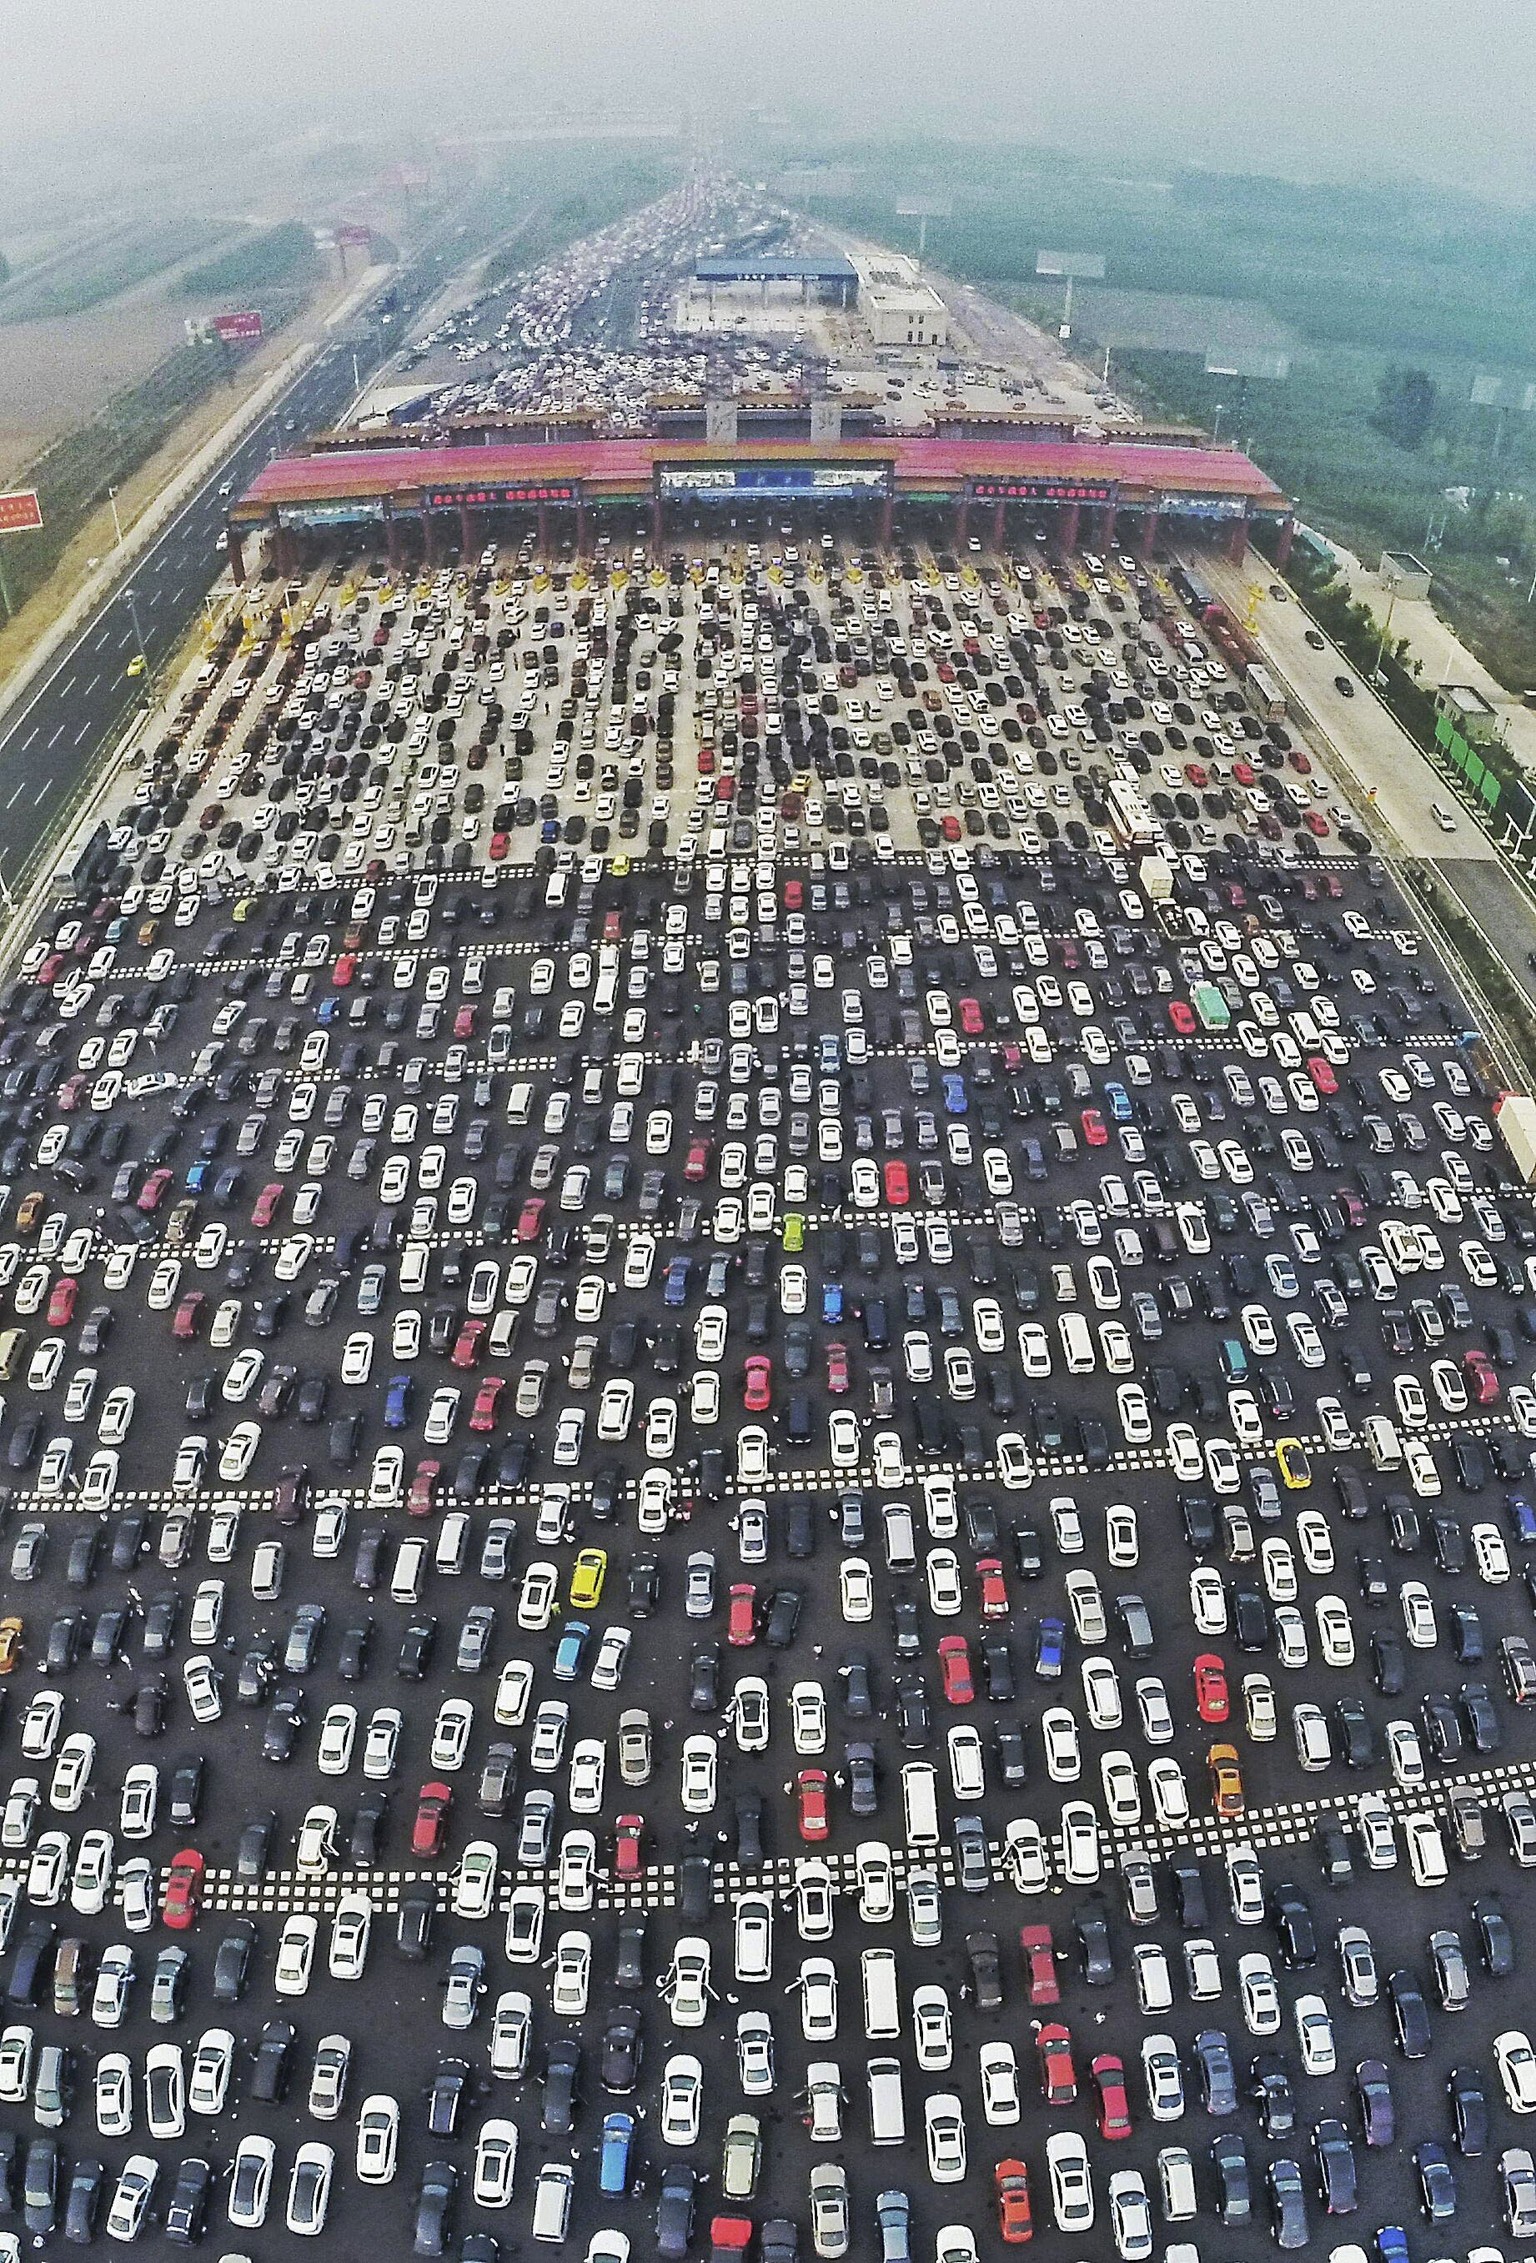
x: 49, y: 742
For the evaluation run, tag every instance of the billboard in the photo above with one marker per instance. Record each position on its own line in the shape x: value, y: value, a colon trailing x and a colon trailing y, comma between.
x: 744, y: 483
x: 20, y: 511
x: 523, y: 491
x: 1084, y: 266
x: 1042, y: 490
x: 355, y: 235
x: 237, y: 329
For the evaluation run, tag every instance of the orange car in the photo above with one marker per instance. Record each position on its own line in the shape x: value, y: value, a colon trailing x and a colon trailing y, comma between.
x: 10, y: 1644
x: 1010, y: 2184
x: 1226, y: 1779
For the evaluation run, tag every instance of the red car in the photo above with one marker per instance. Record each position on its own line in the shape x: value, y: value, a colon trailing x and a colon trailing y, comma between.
x: 1182, y: 1016
x: 794, y: 895
x: 1353, y: 1208
x: 741, y: 1632
x: 898, y: 1184
x: 1093, y: 1128
x: 811, y: 1790
x: 729, y: 2235
x: 1245, y: 774
x: 758, y: 1394
x: 482, y: 1415
x: 706, y: 762
x: 183, y: 1890
x: 1196, y: 773
x: 500, y: 843
x: 464, y: 1022
x: 343, y: 971
x: 423, y: 1486
x: 431, y: 1818
x: 1010, y: 2186
x: 1482, y: 1382
x: 1058, y: 2076
x: 1316, y: 822
x: 1299, y: 759
x: 1213, y: 1700
x: 71, y: 1092
x: 1114, y: 2108
x: 628, y: 1846
x: 263, y: 1209
x: 955, y: 1666
x: 950, y: 828
x: 837, y: 1370
x: 66, y: 1292
x: 188, y: 1316
x: 530, y: 1219
x: 696, y: 1166
x: 972, y: 1020
x: 994, y: 1592
x: 1040, y: 1964
x: 1322, y: 1073
x: 153, y: 1192
x: 466, y: 1345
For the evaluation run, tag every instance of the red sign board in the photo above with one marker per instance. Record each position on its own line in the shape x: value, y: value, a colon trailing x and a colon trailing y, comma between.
x: 442, y: 499
x: 20, y: 511
x: 355, y: 235
x: 1043, y: 490
x: 235, y: 328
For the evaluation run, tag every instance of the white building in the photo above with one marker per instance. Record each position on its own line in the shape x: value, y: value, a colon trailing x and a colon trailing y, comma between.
x: 899, y: 307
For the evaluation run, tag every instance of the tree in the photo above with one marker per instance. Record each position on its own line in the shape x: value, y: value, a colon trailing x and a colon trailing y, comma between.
x: 1405, y: 405
x: 5, y: 268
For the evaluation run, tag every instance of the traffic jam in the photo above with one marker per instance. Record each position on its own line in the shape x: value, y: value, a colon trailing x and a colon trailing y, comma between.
x: 768, y: 1420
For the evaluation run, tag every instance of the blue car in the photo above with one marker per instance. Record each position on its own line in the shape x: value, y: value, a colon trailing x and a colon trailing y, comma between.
x: 955, y: 1100
x: 1119, y: 1101
x: 618, y: 2141
x: 832, y: 1302
x: 829, y: 1055
x: 328, y: 1009
x: 1522, y: 1518
x: 674, y: 1288
x: 1050, y: 1649
x: 549, y: 831
x: 197, y: 1177
x: 397, y: 1403
x: 1392, y: 2244
x: 568, y: 1655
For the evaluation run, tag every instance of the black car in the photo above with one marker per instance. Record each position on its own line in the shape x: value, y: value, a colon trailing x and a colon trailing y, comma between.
x: 274, y: 2058
x: 1495, y: 1940
x: 1288, y: 2203
x: 621, y: 2050
x: 986, y: 1971
x: 675, y: 2209
x: 1410, y: 2014
x: 232, y: 1961
x: 186, y: 1793
x: 1271, y: 2092
x: 704, y: 1678
x: 562, y: 2087
x: 255, y: 1846
x: 187, y: 2208
x: 781, y: 1617
x: 445, y: 2099
x: 1291, y: 1916
x: 434, y: 2208
x: 1234, y: 2184
x: 280, y: 1733
x: 1090, y: 1922
x: 1337, y: 2176
x: 414, y: 1921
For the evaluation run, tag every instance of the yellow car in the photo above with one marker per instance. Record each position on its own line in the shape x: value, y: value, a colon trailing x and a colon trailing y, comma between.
x: 587, y: 1576
x: 619, y: 866
x: 794, y: 1232
x: 10, y: 1644
x: 1295, y: 1469
x: 137, y: 664
x: 244, y: 909
x: 1226, y: 1779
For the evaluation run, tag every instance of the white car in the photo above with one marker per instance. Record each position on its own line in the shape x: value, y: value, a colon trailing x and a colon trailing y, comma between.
x: 944, y: 2133
x: 1261, y: 1997
x: 698, y: 1775
x: 1000, y: 2100
x: 1066, y: 2160
x: 856, y: 1590
x: 351, y: 1924
x: 1314, y: 2032
x: 1516, y: 2062
x: 682, y: 2095
x: 808, y: 1715
x: 295, y: 1955
x: 495, y: 2163
x: 945, y: 1595
x: 818, y: 1999
x: 572, y: 1975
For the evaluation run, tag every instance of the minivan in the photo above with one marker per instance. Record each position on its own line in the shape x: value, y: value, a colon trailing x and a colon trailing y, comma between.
x: 552, y: 2201
x: 900, y: 1537
x: 882, y: 2007
x: 1076, y: 1343
x: 887, y: 2106
x: 410, y: 1567
x: 919, y: 1802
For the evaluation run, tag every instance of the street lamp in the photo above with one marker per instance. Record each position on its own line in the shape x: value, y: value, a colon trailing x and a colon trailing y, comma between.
x: 138, y: 633
x: 117, y: 524
x: 1216, y: 427
x: 1394, y: 584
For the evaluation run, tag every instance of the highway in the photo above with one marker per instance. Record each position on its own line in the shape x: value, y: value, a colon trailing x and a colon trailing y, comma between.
x: 49, y: 742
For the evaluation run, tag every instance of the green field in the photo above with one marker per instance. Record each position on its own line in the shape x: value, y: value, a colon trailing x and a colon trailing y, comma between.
x: 1367, y: 282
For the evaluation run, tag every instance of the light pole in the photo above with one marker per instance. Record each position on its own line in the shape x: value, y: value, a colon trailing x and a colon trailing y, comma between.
x: 117, y: 524
x: 1216, y: 427
x: 138, y: 633
x: 1393, y: 586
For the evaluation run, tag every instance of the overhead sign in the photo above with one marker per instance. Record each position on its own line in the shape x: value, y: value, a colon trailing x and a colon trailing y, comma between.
x: 330, y: 514
x: 354, y: 234
x: 20, y: 511
x: 236, y: 329
x: 554, y: 491
x: 1043, y: 490
x: 732, y: 483
x: 1084, y: 266
x: 1204, y: 506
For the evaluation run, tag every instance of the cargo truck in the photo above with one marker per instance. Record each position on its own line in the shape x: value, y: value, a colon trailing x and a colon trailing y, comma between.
x: 1515, y: 1116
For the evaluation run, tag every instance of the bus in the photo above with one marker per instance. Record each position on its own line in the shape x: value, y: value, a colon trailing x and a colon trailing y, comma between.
x: 1210, y: 1005
x: 1130, y: 820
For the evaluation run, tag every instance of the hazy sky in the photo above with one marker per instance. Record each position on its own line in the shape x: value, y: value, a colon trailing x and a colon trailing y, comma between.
x: 1333, y: 88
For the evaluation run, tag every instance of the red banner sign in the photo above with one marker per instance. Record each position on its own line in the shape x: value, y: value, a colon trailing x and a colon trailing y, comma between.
x: 20, y: 511
x: 234, y: 328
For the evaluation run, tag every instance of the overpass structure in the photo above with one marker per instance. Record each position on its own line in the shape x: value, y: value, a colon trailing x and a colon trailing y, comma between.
x: 431, y: 497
